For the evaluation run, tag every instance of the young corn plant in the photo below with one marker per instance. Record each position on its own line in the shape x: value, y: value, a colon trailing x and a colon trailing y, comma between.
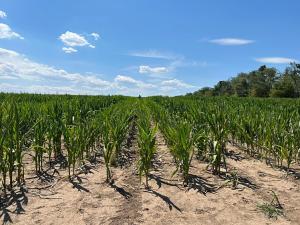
x: 108, y: 142
x: 146, y: 144
x: 3, y: 150
x: 14, y: 144
x: 38, y: 144
x: 92, y: 139
x: 72, y: 143
x: 218, y: 126
x: 57, y: 126
x: 182, y: 148
x: 119, y: 132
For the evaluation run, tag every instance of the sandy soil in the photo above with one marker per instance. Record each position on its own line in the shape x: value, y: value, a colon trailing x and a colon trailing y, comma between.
x: 209, y: 199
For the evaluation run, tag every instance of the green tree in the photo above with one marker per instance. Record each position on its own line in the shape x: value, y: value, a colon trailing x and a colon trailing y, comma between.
x: 241, y: 85
x: 223, y: 88
x: 206, y: 91
x: 288, y: 84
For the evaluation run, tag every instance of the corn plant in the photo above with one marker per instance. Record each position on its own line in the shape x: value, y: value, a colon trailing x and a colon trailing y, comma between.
x: 146, y: 144
x: 120, y: 120
x: 14, y: 144
x: 218, y: 126
x: 57, y: 125
x: 72, y: 143
x: 39, y: 144
x: 108, y: 142
x: 3, y: 150
x: 182, y: 148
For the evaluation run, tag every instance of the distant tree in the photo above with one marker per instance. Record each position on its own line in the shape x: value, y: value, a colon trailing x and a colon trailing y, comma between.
x: 241, y: 85
x: 283, y: 88
x: 288, y: 84
x: 270, y: 75
x: 206, y: 91
x: 223, y: 88
x: 263, y: 82
x: 293, y: 71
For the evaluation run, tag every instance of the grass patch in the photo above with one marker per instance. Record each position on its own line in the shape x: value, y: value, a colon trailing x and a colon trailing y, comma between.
x: 272, y: 209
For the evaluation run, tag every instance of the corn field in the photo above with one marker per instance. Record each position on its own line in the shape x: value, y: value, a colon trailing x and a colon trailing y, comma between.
x: 71, y: 130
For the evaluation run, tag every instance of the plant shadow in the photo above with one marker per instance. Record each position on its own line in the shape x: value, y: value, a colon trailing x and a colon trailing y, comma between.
x: 44, y: 176
x: 121, y: 191
x: 86, y: 169
x: 160, y: 180
x: 241, y: 179
x: 15, y: 198
x: 294, y: 172
x: 76, y: 181
x: 60, y: 160
x: 166, y: 199
x: 237, y: 156
x: 200, y: 184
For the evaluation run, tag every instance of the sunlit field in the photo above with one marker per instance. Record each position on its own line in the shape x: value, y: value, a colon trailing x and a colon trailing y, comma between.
x: 125, y: 160
x: 161, y: 112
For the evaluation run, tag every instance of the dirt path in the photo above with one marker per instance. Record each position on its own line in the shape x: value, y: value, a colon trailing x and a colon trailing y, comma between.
x: 160, y: 203
x: 128, y: 186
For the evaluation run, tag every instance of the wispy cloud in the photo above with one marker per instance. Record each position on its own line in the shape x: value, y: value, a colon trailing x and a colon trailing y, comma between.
x: 95, y: 35
x: 126, y: 79
x: 170, y: 60
x: 7, y: 33
x: 69, y: 50
x: 130, y: 80
x: 3, y: 14
x: 154, y: 54
x: 175, y: 83
x: 276, y: 60
x: 143, y: 69
x: 231, y: 41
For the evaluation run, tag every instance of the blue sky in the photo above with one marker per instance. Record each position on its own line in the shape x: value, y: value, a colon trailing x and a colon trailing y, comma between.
x: 145, y: 47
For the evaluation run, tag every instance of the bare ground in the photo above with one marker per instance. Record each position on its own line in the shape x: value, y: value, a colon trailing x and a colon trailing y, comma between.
x: 209, y: 199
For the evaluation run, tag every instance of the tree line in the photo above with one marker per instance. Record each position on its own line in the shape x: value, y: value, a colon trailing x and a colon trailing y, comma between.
x: 263, y: 82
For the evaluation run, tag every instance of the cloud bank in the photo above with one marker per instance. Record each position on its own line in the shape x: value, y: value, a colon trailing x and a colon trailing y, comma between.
x: 20, y: 74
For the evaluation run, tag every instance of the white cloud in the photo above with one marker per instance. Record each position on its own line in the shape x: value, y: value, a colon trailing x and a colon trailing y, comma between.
x: 95, y: 35
x: 74, y: 40
x: 154, y: 54
x: 2, y: 14
x: 69, y: 50
x: 152, y: 70
x: 175, y: 61
x: 231, y: 41
x: 16, y: 66
x: 189, y: 63
x: 130, y: 80
x: 126, y: 79
x: 7, y: 33
x: 276, y: 60
x: 20, y: 74
x: 176, y: 84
